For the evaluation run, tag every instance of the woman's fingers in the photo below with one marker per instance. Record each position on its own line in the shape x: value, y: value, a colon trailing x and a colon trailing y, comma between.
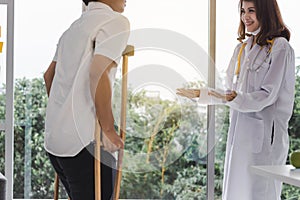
x: 227, y: 97
x: 190, y: 93
x: 193, y: 93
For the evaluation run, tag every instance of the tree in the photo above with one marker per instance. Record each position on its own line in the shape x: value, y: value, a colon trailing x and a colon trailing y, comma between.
x: 33, y: 173
x: 156, y: 128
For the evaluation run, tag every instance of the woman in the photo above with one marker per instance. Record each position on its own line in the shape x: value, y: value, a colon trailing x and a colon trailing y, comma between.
x: 261, y: 80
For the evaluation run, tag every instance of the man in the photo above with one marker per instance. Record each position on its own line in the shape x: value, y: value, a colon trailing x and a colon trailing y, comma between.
x: 79, y: 84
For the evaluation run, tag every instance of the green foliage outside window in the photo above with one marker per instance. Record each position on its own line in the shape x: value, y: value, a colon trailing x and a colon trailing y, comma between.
x: 185, y: 178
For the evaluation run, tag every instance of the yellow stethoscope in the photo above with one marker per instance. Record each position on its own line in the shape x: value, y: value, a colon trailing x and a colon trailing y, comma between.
x: 238, y: 69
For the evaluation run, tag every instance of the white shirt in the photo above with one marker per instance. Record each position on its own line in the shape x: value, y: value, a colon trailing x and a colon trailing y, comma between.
x: 70, y: 114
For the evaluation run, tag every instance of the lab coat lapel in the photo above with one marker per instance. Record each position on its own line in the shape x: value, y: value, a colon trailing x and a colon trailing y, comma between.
x: 247, y: 63
x: 252, y: 54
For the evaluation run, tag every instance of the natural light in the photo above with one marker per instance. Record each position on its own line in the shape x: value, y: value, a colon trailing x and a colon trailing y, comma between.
x: 155, y: 71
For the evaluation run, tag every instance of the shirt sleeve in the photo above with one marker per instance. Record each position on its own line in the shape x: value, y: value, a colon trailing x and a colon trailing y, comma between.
x: 268, y: 93
x: 112, y: 38
x: 56, y: 54
x: 55, y: 58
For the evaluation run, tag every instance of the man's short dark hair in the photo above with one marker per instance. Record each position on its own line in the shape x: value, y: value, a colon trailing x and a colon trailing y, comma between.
x: 86, y: 2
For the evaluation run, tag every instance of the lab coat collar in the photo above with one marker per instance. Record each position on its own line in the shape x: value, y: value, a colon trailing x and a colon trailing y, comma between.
x: 98, y: 5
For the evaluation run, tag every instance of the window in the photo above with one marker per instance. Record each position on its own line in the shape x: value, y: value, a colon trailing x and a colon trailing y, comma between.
x: 36, y: 35
x: 166, y: 155
x: 34, y: 49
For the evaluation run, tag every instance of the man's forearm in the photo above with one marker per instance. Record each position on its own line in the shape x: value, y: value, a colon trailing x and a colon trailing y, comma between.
x: 103, y: 103
x: 48, y: 76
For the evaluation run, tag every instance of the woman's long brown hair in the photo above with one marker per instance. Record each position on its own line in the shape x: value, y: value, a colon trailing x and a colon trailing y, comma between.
x: 271, y: 23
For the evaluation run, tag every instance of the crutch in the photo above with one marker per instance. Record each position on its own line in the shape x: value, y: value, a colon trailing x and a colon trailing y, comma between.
x: 97, y: 162
x: 56, y: 187
x: 129, y: 51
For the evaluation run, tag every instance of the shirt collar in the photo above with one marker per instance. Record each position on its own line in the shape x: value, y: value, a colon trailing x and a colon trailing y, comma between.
x: 248, y: 39
x: 98, y: 5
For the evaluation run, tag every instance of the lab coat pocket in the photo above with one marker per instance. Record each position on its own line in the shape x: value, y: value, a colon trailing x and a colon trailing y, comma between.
x: 261, y: 68
x: 250, y: 133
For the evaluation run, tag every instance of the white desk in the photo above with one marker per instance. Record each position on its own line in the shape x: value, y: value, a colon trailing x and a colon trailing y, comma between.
x: 282, y: 173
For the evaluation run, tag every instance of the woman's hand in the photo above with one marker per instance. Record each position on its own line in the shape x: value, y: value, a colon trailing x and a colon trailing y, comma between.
x: 229, y: 96
x: 189, y: 93
x: 195, y: 93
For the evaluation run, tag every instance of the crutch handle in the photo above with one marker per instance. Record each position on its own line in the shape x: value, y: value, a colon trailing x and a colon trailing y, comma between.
x: 129, y: 51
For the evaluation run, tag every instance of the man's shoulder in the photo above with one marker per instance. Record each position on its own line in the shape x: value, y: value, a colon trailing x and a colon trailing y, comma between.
x: 111, y: 17
x: 120, y: 18
x: 119, y: 22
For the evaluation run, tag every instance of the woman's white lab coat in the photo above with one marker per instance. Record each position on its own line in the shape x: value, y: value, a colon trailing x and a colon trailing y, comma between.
x: 258, y: 132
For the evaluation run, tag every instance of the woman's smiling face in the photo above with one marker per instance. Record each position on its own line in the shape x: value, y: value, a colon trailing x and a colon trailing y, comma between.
x: 248, y: 16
